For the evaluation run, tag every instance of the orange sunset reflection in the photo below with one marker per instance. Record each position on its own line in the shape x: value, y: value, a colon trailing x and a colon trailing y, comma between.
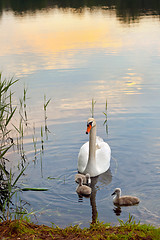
x: 44, y: 39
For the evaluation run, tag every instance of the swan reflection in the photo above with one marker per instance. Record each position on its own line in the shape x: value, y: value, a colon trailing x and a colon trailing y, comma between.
x: 104, y: 179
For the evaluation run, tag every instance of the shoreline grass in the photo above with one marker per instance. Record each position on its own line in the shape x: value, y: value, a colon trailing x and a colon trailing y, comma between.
x: 20, y: 229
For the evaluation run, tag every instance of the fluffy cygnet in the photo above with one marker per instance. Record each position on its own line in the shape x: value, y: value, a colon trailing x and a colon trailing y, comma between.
x: 85, y: 178
x: 83, y: 189
x: 124, y: 200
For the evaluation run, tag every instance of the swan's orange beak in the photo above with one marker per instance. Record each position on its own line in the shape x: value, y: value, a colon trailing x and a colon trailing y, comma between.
x: 88, y: 128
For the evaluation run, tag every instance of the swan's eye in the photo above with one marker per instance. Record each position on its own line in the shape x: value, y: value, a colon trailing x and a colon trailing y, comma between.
x: 89, y: 124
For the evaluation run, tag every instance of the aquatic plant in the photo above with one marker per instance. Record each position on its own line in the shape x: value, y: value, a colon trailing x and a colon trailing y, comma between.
x: 106, y: 117
x: 46, y: 102
x: 8, y: 181
x: 23, y: 106
x: 6, y: 109
x: 92, y: 108
x: 20, y: 129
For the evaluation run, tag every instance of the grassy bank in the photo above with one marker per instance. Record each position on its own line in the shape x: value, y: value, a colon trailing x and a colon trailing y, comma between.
x: 20, y: 229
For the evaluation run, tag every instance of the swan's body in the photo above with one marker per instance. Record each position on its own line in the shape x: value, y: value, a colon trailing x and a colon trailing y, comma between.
x: 85, y: 178
x: 94, y: 156
x: 83, y: 190
x: 124, y: 200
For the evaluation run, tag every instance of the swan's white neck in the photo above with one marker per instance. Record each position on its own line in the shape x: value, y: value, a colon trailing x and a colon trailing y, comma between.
x: 92, y: 145
x: 91, y: 164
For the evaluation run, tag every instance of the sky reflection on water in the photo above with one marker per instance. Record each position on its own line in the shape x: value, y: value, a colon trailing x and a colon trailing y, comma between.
x: 58, y: 40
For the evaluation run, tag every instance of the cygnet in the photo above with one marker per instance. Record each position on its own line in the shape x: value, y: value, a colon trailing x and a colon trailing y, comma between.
x: 124, y: 200
x: 85, y: 178
x: 83, y: 189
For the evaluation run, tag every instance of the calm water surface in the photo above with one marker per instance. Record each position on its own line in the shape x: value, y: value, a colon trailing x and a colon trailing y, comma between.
x: 73, y: 55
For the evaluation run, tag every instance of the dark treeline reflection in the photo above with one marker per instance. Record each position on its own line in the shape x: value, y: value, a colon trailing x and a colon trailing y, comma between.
x: 126, y: 10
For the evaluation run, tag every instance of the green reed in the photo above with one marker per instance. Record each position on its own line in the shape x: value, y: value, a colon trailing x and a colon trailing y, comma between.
x: 105, y: 113
x: 6, y: 115
x: 92, y: 109
x: 46, y: 102
x: 34, y: 143
x: 12, y: 190
x: 106, y: 117
x: 23, y: 124
x: 6, y: 109
x: 42, y: 140
x: 20, y: 142
x: 23, y: 106
x: 8, y: 181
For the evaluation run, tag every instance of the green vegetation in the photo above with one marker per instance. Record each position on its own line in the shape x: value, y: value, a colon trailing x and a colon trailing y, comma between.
x: 130, y: 230
x: 46, y: 102
x: 106, y: 117
x: 8, y: 185
x: 92, y: 109
x: 8, y: 180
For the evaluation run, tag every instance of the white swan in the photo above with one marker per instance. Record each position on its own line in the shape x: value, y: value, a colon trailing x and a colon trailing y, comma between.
x: 124, y: 200
x: 94, y: 156
x: 83, y: 190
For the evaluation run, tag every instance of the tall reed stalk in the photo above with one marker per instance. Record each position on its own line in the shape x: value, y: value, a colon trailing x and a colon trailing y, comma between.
x: 106, y: 117
x: 6, y: 109
x: 7, y: 184
x: 92, y: 109
x: 8, y: 181
x: 23, y: 106
x: 46, y: 102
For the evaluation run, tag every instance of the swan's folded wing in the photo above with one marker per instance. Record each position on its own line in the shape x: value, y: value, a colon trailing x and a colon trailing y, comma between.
x: 83, y: 157
x: 103, y: 156
x: 99, y: 139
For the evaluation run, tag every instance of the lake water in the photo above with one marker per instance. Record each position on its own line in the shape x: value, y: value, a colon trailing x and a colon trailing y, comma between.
x: 73, y: 54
